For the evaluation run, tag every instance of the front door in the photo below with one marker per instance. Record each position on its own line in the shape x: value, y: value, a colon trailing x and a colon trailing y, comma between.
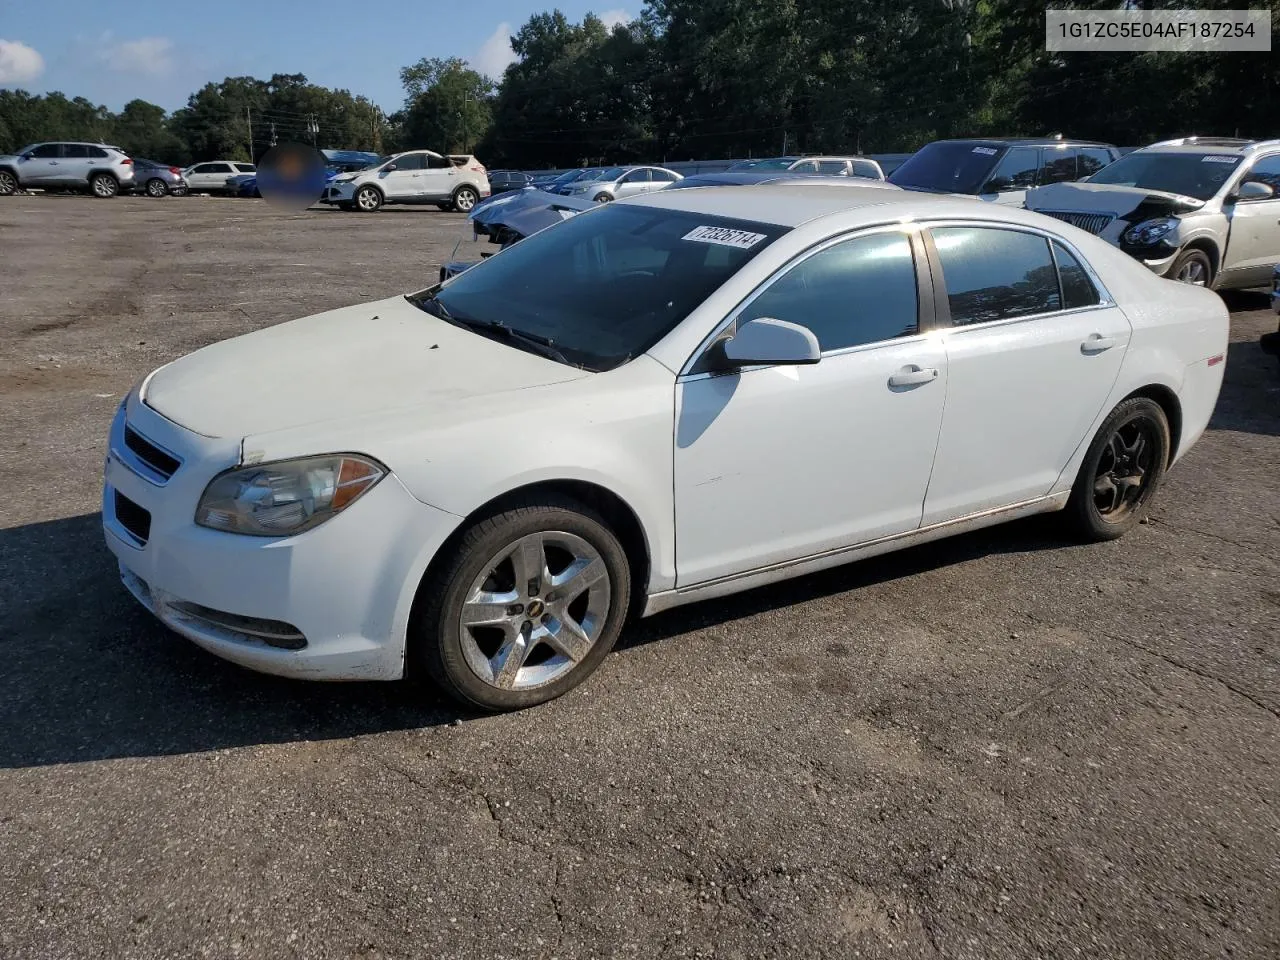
x: 1033, y: 352
x: 779, y: 463
x: 405, y: 181
x: 42, y: 166
x: 1253, y: 243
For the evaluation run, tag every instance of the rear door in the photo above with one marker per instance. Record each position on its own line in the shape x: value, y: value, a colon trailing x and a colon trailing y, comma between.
x: 439, y: 177
x: 73, y: 167
x: 1033, y: 346
x: 637, y: 181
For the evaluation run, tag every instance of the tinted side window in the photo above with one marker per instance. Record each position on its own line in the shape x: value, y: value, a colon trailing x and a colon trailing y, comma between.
x: 97, y: 153
x: 1059, y: 165
x: 246, y: 167
x: 218, y: 168
x: 834, y: 168
x: 430, y: 162
x: 1015, y: 171
x: 1266, y: 170
x: 637, y: 176
x: 1077, y: 289
x: 865, y: 168
x: 47, y: 151
x: 805, y: 166
x: 1093, y: 159
x: 76, y: 151
x: 663, y: 176
x: 994, y: 274
x: 858, y: 291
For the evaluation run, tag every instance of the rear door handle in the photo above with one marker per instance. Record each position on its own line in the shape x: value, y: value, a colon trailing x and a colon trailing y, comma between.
x: 1096, y: 343
x: 912, y: 376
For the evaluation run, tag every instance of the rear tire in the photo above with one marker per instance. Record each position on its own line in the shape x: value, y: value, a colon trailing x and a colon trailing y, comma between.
x: 8, y: 183
x: 368, y: 199
x: 545, y: 582
x: 1193, y: 267
x: 464, y: 198
x: 1121, y: 472
x: 103, y: 186
x: 602, y: 198
x: 157, y: 188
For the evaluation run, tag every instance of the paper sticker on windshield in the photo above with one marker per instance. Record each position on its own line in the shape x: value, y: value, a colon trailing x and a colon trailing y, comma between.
x: 1219, y: 158
x: 724, y: 236
x: 985, y: 151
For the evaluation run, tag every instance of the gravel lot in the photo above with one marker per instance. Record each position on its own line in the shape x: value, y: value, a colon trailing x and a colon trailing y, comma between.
x: 1002, y: 745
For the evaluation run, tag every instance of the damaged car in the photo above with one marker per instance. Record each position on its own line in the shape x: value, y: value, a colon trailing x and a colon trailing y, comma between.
x: 1200, y: 210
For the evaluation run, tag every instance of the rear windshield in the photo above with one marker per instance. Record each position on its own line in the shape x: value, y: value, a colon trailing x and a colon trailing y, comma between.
x: 1199, y: 175
x: 606, y: 285
x: 948, y: 166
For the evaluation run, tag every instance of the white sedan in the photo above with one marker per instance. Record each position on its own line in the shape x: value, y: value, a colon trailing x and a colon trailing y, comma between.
x: 658, y: 401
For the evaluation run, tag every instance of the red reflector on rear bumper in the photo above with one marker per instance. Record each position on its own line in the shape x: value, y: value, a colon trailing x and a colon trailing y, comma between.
x: 1214, y: 361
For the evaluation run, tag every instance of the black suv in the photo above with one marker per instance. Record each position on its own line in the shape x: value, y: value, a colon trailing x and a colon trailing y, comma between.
x: 1001, y: 170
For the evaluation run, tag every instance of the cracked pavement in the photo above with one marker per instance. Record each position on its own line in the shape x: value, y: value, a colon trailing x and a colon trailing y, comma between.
x: 1003, y: 745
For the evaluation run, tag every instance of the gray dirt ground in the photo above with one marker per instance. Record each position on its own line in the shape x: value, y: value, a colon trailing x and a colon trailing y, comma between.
x: 999, y: 746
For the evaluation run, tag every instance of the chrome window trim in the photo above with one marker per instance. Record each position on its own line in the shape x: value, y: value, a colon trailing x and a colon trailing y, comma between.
x: 907, y: 229
x: 1107, y: 301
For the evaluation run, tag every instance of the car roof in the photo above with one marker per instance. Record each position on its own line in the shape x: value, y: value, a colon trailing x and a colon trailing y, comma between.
x: 788, y: 204
x: 1030, y: 141
x: 1231, y: 145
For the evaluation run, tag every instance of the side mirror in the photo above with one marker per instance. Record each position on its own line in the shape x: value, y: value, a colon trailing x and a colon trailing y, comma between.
x: 766, y: 341
x: 388, y: 168
x: 997, y: 185
x: 1254, y: 190
x: 26, y: 156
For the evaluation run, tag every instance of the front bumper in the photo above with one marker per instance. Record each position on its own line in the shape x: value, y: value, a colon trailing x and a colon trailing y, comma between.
x: 329, y: 604
x: 338, y: 193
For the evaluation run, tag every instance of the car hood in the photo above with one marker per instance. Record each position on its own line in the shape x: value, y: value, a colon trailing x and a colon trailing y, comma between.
x: 344, y: 364
x: 1119, y: 201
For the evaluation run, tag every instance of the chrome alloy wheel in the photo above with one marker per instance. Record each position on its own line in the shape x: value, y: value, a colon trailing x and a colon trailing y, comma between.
x: 1192, y: 272
x: 368, y: 200
x: 535, y: 611
x: 105, y: 186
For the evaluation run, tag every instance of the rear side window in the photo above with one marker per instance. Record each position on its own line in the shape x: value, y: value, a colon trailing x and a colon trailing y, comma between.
x: 1093, y: 159
x: 995, y: 274
x: 246, y: 167
x: 435, y: 163
x: 858, y: 291
x: 218, y: 168
x: 1016, y: 171
x: 834, y: 168
x: 866, y: 168
x: 75, y: 151
x: 1059, y: 165
x: 1077, y: 289
x: 663, y: 176
x: 97, y: 153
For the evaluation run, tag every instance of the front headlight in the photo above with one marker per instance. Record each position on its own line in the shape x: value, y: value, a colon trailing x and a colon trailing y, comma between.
x: 288, y: 497
x: 1150, y: 231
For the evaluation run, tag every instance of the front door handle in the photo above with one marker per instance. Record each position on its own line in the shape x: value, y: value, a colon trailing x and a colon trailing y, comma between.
x: 1096, y: 343
x: 912, y: 376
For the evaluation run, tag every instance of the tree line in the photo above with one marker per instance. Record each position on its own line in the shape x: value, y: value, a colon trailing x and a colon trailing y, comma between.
x: 698, y: 79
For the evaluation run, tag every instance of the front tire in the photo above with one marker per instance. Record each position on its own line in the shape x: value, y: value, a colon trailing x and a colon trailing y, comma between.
x: 1193, y: 267
x: 103, y: 186
x: 368, y: 199
x: 1121, y: 472
x: 603, y: 198
x: 156, y: 188
x: 8, y: 183
x: 526, y: 607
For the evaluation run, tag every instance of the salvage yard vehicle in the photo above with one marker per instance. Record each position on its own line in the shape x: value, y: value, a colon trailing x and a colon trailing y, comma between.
x: 863, y: 167
x: 1001, y: 171
x: 418, y: 176
x: 157, y: 179
x: 657, y: 401
x: 1201, y: 210
x: 614, y: 183
x: 212, y: 177
x: 98, y: 168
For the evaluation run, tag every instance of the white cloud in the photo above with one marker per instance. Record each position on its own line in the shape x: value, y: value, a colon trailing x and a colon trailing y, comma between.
x: 149, y: 55
x: 611, y: 18
x: 19, y: 63
x: 495, y: 54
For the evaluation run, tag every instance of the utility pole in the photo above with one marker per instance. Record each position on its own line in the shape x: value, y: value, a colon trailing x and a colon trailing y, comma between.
x: 248, y: 121
x: 313, y: 128
x: 784, y: 142
x: 273, y: 133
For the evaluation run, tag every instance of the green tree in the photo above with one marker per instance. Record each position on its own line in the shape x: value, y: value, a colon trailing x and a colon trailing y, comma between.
x: 447, y: 105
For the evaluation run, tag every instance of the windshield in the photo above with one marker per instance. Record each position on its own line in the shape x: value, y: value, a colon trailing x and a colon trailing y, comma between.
x: 603, y: 286
x: 377, y: 163
x: 1199, y: 175
x: 948, y: 166
x: 569, y: 176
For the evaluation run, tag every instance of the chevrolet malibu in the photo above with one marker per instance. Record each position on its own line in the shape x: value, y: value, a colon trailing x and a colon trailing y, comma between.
x: 662, y: 400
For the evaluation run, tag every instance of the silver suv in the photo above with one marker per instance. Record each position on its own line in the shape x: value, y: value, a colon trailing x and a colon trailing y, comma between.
x: 1203, y: 210
x: 99, y: 168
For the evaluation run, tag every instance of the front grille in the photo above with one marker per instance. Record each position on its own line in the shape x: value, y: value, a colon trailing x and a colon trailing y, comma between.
x: 1094, y: 223
x: 163, y: 463
x: 134, y: 519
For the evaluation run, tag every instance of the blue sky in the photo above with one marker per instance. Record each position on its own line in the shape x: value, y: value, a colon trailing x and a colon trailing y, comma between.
x: 112, y: 53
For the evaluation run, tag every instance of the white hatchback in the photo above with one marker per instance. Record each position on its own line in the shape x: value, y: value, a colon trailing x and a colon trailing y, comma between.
x: 657, y: 401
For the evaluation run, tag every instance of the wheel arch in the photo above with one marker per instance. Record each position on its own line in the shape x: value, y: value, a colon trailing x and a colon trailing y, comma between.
x: 616, y: 512
x: 372, y: 183
x: 1209, y: 248
x: 1168, y: 401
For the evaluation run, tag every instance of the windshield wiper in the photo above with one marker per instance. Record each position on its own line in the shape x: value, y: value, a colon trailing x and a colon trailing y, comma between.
x: 536, y: 342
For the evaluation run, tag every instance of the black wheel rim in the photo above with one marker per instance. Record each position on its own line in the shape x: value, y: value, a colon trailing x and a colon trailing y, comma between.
x: 1124, y: 472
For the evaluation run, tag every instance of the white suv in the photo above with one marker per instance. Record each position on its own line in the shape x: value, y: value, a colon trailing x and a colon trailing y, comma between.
x: 211, y: 177
x: 419, y: 176
x: 101, y: 169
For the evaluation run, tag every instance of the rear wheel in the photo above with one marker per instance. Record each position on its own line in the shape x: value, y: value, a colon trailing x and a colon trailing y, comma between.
x: 1193, y: 267
x: 156, y: 187
x: 103, y: 185
x: 368, y: 199
x: 1121, y: 472
x: 529, y: 604
x: 8, y: 183
x: 603, y: 198
x: 464, y: 198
